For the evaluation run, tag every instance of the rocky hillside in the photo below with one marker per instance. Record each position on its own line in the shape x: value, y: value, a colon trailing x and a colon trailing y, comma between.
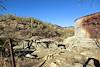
x: 22, y: 28
x: 38, y: 37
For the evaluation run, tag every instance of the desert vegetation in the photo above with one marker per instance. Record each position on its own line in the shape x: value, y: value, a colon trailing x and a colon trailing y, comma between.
x: 20, y: 27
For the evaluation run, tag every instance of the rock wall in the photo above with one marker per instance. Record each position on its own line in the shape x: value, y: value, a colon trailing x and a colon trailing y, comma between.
x: 79, y: 30
x: 88, y: 26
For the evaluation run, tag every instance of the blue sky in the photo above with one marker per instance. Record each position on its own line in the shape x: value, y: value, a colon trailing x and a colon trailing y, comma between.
x: 60, y: 12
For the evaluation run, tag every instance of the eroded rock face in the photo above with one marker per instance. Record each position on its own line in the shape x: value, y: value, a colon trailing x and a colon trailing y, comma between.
x: 88, y: 26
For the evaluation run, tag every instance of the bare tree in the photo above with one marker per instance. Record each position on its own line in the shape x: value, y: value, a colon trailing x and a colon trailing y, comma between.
x: 2, y: 5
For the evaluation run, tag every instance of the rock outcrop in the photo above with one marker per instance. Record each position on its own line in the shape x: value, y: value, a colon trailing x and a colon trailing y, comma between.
x: 87, y: 32
x: 85, y: 43
x: 88, y: 26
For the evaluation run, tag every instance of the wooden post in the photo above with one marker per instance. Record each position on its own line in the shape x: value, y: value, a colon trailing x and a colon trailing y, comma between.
x: 11, y: 53
x: 1, y: 57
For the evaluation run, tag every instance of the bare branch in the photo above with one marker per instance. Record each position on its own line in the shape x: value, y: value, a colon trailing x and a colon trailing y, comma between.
x: 2, y: 6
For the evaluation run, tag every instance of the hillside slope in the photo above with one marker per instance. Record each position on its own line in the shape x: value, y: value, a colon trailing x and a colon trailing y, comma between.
x: 15, y: 27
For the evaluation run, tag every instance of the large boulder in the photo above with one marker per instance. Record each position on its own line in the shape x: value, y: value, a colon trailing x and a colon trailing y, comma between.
x: 88, y: 26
